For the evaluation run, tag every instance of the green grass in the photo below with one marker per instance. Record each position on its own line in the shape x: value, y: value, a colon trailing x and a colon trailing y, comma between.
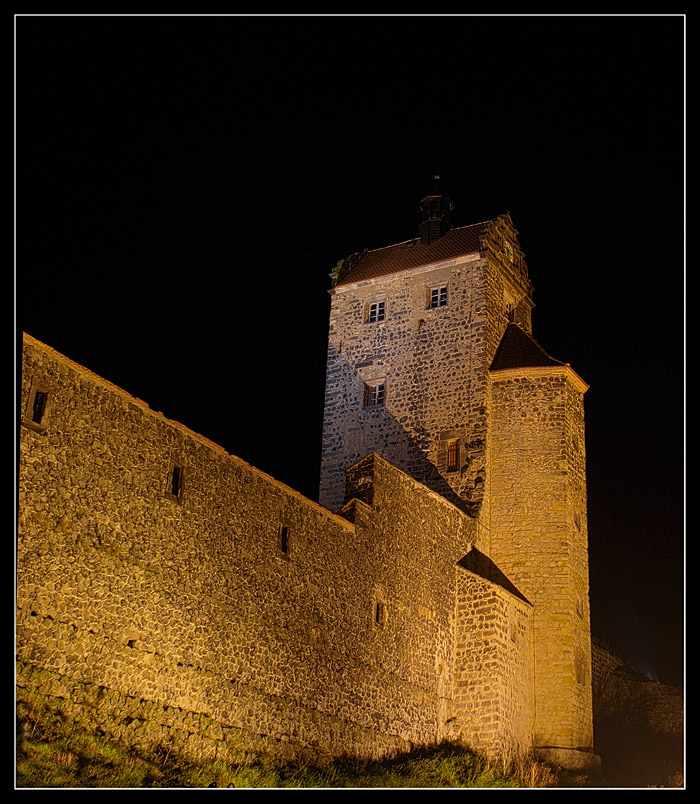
x: 53, y: 752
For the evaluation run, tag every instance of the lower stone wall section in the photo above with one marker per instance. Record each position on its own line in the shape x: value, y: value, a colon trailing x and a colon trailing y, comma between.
x: 148, y: 725
x: 494, y: 667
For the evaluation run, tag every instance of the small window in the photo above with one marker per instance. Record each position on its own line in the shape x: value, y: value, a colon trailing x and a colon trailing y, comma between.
x: 39, y: 406
x: 35, y: 414
x: 379, y: 614
x: 452, y: 455
x: 284, y: 540
x: 375, y: 395
x: 175, y: 482
x: 375, y: 312
x: 438, y: 297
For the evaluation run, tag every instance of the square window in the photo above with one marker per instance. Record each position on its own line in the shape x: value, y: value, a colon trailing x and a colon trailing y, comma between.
x: 438, y: 297
x: 375, y: 312
x: 375, y: 395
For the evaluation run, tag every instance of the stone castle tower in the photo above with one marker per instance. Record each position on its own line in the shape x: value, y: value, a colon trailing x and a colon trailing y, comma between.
x: 168, y: 592
x: 432, y: 365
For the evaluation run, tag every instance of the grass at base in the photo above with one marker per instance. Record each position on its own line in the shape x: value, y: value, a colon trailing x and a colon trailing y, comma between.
x: 54, y: 753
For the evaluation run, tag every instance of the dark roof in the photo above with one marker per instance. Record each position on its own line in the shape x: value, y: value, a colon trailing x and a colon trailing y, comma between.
x: 412, y: 254
x: 483, y: 566
x: 518, y: 349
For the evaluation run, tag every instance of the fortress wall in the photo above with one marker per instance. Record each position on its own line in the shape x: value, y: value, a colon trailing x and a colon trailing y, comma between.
x: 538, y: 537
x: 412, y: 539
x: 604, y: 664
x: 493, y: 669
x: 180, y: 618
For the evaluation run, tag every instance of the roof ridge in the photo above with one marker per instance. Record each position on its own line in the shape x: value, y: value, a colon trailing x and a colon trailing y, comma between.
x: 411, y: 253
x: 417, y: 238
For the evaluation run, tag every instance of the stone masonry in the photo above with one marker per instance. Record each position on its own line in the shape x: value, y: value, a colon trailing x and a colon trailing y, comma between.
x: 169, y: 593
x: 475, y: 409
x: 178, y: 612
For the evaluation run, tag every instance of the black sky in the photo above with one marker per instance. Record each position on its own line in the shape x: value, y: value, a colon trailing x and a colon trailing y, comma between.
x: 186, y: 184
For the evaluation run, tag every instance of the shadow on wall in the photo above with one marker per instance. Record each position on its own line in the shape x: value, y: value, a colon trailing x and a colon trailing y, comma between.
x: 372, y: 428
x: 481, y: 565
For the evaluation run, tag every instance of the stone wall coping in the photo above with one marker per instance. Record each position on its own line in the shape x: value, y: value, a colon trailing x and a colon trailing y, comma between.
x: 31, y: 341
x: 417, y: 484
x: 522, y: 601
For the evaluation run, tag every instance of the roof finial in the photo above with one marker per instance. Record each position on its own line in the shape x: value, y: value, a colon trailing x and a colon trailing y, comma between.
x: 436, y: 209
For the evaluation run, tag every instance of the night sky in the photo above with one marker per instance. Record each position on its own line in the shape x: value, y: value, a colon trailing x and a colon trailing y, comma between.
x: 186, y: 184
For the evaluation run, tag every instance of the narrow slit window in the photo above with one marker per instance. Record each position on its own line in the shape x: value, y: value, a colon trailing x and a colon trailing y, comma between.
x: 284, y: 540
x: 39, y: 406
x: 36, y: 412
x: 452, y: 456
x: 379, y: 614
x: 176, y: 481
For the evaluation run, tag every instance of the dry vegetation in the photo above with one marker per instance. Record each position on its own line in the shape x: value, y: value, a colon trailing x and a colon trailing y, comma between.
x: 53, y: 752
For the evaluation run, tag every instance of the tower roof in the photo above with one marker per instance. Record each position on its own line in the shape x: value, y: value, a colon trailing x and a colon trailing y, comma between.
x: 518, y: 349
x: 413, y: 254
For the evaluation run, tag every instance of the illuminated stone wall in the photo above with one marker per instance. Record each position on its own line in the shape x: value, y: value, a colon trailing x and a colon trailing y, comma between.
x: 538, y: 529
x: 493, y: 685
x: 520, y: 468
x: 162, y: 614
x: 432, y: 364
x: 169, y: 591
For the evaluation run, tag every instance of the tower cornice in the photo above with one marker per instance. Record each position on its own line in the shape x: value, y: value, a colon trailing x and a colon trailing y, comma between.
x: 563, y: 370
x: 421, y: 269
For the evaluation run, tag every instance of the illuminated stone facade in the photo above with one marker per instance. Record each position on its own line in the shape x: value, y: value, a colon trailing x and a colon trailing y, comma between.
x: 475, y: 409
x: 170, y: 593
